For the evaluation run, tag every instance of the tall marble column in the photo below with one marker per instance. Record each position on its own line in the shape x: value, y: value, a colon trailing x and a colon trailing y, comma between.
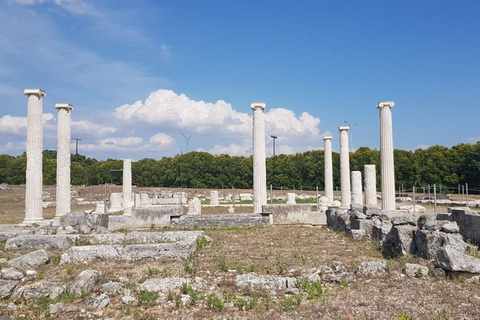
x: 328, y: 168
x: 370, y: 186
x: 344, y: 168
x: 34, y: 175
x: 127, y: 187
x: 386, y: 155
x: 357, y: 196
x: 63, y: 159
x: 259, y: 164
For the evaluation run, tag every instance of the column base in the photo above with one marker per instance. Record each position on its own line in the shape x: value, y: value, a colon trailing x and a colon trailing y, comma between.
x: 31, y: 221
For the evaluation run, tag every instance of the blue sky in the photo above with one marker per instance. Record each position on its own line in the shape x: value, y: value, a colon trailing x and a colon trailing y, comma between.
x: 141, y: 72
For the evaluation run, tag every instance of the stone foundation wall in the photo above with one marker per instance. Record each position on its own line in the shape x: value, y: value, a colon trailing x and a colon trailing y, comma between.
x: 468, y: 222
x: 221, y: 220
x: 294, y: 214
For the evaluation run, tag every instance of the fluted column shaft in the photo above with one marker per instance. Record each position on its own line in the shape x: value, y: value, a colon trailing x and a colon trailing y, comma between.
x: 63, y: 159
x: 357, y: 196
x: 259, y: 164
x: 370, y: 186
x: 328, y: 168
x: 127, y: 187
x: 34, y: 174
x: 386, y: 154
x: 345, y: 168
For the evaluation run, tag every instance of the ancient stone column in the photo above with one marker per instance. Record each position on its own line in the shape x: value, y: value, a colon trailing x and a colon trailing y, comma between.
x: 34, y: 175
x: 127, y: 187
x: 386, y: 155
x: 115, y: 202
x: 63, y: 159
x: 370, y: 186
x: 291, y: 198
x: 259, y: 164
x: 344, y: 168
x: 328, y: 168
x: 214, y: 198
x: 357, y: 196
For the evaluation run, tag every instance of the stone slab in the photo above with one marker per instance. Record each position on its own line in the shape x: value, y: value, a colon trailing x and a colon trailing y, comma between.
x: 221, y: 220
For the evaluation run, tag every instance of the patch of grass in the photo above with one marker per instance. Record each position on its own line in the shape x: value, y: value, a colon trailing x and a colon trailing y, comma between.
x: 314, y: 289
x: 267, y: 298
x: 252, y: 303
x: 67, y: 296
x: 201, y: 243
x: 69, y: 270
x: 303, y: 259
x: 121, y: 230
x: 178, y: 300
x: 404, y: 316
x: 240, y: 304
x: 418, y: 273
x: 189, y: 268
x: 2, y: 245
x: 43, y: 305
x: 152, y: 226
x: 146, y: 297
x: 290, y: 302
x: 222, y: 265
x: 157, y: 272
x: 85, y: 294
x: 344, y: 283
x: 40, y: 276
x: 55, y: 258
x: 281, y: 265
x: 443, y: 315
x: 214, y: 303
x: 252, y: 267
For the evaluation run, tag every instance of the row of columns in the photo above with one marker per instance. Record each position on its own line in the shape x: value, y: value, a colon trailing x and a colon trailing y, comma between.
x: 34, y: 172
x: 348, y: 191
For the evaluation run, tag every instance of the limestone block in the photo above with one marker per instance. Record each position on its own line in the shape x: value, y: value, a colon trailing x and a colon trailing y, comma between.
x: 194, y: 207
x: 415, y: 270
x: 36, y: 242
x: 221, y: 220
x: 450, y: 227
x: 11, y: 274
x: 362, y: 224
x: 100, y: 207
x: 400, y: 240
x: 85, y: 281
x: 163, y: 285
x: 372, y: 268
x: 82, y: 254
x: 85, y: 222
x: 6, y: 288
x: 32, y: 260
x: 100, y: 302
x: 291, y: 198
x: 158, y: 251
x: 428, y: 243
x: 452, y: 259
x: 39, y: 289
x: 338, y: 219
x: 214, y: 198
x: 265, y: 282
x: 116, y: 203
x: 414, y: 209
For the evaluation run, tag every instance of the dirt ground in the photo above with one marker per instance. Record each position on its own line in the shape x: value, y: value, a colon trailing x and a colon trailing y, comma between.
x: 276, y: 250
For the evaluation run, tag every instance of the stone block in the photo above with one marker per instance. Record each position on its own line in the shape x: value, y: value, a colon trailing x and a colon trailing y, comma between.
x: 372, y: 268
x: 36, y: 242
x: 158, y: 251
x: 163, y: 285
x: 400, y: 240
x: 294, y: 214
x: 365, y: 225
x: 415, y: 270
x: 428, y: 243
x: 83, y: 254
x: 6, y: 288
x: 85, y: 222
x: 338, y: 219
x: 265, y: 282
x: 450, y: 258
x: 32, y: 260
x: 380, y: 231
x: 222, y: 220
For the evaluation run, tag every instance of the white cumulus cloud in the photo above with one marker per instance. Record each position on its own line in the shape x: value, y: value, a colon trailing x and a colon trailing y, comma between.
x: 162, y: 139
x: 18, y: 125
x: 233, y: 149
x: 88, y: 127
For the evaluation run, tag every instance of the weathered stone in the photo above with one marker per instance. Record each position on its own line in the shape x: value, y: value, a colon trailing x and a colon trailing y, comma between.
x: 468, y: 223
x: 372, y: 268
x: 84, y: 254
x: 293, y: 214
x: 439, y: 273
x: 338, y: 266
x: 161, y: 237
x: 450, y: 258
x: 158, y: 251
x: 451, y: 227
x: 59, y: 309
x: 400, y: 240
x: 11, y: 274
x: 31, y: 273
x: 5, y: 235
x: 6, y: 288
x: 372, y: 212
x: 338, y: 219
x: 358, y: 215
x: 428, y: 243
x: 365, y: 225
x: 85, y: 281
x: 404, y: 220
x: 163, y: 285
x: 386, y: 155
x: 380, y: 231
x: 291, y: 198
x: 128, y: 300
x: 266, y: 282
x: 32, y: 260
x: 336, y: 203
x: 104, y: 238
x: 222, y: 220
x: 112, y: 288
x: 414, y: 209
x: 35, y: 242
x: 355, y: 206
x: 194, y: 207
x: 100, y: 302
x: 415, y: 270
x: 40, y: 289
x: 85, y: 222
x: 357, y: 234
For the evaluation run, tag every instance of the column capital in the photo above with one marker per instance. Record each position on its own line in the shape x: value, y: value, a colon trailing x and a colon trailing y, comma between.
x: 343, y: 128
x: 327, y: 138
x: 38, y: 92
x: 67, y: 106
x: 258, y: 105
x: 385, y: 104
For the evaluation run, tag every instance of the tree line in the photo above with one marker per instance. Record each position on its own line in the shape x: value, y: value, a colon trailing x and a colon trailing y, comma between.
x: 444, y: 166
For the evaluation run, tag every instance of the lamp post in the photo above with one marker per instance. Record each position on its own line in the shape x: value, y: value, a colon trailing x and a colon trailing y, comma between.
x: 76, y: 144
x: 188, y: 139
x: 351, y: 134
x: 273, y: 138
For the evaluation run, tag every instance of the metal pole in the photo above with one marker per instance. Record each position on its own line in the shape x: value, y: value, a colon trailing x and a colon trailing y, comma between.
x: 463, y: 193
x: 434, y: 198
x: 233, y: 198
x: 414, y: 201
x: 429, y: 194
x: 317, y: 196
x: 271, y: 194
x: 466, y: 190
x: 105, y: 200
